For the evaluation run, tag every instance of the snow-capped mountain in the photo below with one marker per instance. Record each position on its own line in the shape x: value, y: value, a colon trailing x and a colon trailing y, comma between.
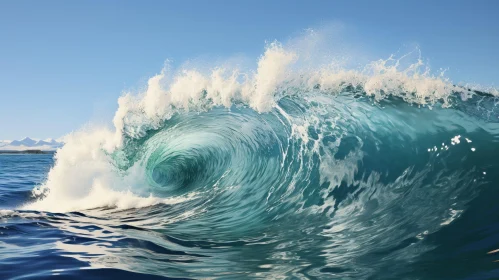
x: 30, y: 144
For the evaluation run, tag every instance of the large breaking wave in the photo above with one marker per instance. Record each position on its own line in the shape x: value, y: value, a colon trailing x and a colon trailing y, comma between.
x: 339, y: 171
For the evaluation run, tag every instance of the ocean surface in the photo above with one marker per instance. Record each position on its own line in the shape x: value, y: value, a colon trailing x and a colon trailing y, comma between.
x: 285, y: 172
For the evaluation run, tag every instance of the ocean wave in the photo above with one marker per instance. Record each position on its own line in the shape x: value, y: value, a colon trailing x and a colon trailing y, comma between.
x: 353, y: 163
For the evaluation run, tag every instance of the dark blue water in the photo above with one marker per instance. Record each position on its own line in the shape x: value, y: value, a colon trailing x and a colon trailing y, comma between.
x: 327, y: 188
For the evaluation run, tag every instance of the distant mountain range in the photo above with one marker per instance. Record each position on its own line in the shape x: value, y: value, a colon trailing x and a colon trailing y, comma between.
x: 30, y: 144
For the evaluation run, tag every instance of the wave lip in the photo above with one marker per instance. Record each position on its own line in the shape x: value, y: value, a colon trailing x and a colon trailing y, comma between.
x: 109, y: 158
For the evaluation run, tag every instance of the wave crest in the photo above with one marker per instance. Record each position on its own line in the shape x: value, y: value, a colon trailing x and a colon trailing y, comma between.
x: 157, y: 145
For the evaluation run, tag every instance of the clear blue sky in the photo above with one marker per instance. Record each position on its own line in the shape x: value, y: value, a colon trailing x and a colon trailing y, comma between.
x: 64, y: 63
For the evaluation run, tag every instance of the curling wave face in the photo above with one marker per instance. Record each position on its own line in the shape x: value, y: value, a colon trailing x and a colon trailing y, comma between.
x: 281, y: 172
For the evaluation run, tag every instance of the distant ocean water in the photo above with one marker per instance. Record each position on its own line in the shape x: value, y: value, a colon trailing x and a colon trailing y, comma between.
x: 296, y: 173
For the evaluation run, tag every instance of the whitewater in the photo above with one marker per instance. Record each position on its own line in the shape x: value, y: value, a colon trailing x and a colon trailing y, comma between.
x: 289, y: 170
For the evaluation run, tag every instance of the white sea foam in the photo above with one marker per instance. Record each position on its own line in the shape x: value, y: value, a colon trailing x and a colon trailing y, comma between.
x: 84, y: 175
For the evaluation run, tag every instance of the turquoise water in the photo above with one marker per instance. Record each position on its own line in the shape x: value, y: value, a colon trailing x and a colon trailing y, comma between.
x: 298, y: 169
x: 319, y: 187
